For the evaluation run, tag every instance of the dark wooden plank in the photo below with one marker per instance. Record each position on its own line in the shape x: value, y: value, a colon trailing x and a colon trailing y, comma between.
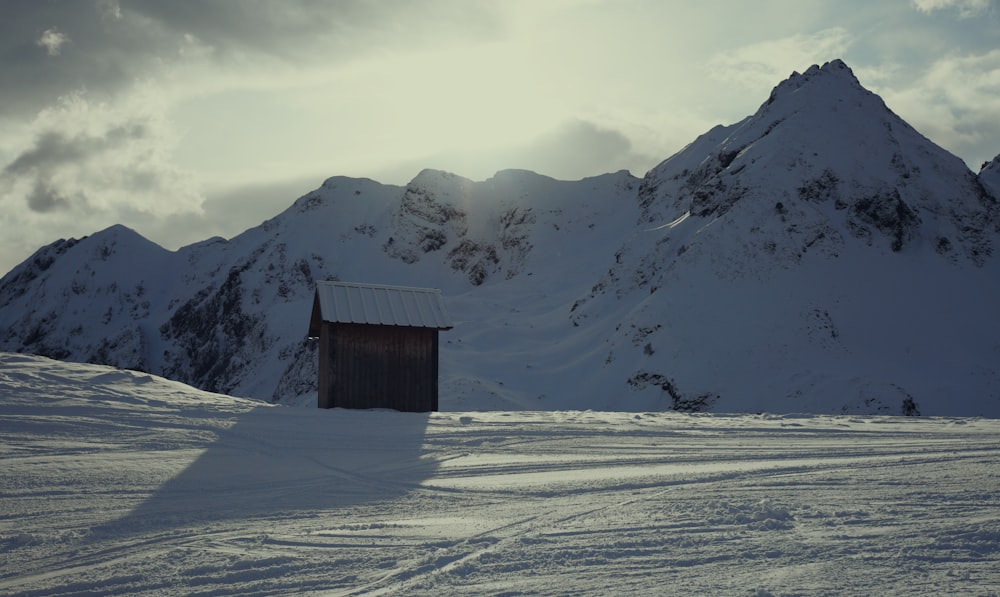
x: 370, y: 366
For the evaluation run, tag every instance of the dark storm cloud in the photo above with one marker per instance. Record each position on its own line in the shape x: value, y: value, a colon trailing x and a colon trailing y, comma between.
x: 54, y: 153
x: 293, y: 26
x: 117, y: 164
x: 108, y: 44
x: 45, y: 198
x: 95, y: 56
x: 53, y: 150
x: 287, y: 29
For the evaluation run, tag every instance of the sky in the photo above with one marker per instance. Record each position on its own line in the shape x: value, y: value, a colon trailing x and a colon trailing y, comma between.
x: 186, y: 120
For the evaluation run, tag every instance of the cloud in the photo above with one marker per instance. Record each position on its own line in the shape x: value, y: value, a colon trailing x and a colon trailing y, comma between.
x: 955, y: 102
x: 576, y: 149
x: 295, y: 29
x: 966, y: 8
x: 56, y: 162
x: 571, y: 150
x: 761, y: 65
x: 119, y: 43
x: 43, y: 198
x: 55, y: 149
x: 92, y: 158
x: 52, y: 40
x: 109, y: 9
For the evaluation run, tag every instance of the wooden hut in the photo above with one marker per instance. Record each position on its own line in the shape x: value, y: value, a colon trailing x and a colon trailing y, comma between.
x: 378, y: 345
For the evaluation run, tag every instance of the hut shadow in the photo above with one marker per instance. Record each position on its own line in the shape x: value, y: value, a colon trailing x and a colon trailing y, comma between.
x: 279, y: 463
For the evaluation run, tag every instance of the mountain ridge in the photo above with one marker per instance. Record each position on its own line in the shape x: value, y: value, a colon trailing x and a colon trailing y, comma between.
x: 779, y: 263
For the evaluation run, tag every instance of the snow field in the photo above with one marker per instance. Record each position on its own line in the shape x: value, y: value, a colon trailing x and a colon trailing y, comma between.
x: 119, y: 482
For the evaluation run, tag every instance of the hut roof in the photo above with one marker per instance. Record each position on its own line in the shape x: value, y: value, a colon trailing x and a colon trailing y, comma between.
x: 349, y: 302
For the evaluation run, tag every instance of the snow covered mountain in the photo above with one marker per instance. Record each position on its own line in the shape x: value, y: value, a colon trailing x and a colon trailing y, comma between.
x: 819, y: 252
x: 231, y: 316
x: 820, y: 256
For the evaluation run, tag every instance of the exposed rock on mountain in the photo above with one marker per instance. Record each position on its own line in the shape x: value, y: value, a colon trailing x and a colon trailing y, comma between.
x: 989, y: 176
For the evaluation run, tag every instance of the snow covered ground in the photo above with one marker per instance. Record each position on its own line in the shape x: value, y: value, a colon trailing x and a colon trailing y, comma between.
x: 119, y: 482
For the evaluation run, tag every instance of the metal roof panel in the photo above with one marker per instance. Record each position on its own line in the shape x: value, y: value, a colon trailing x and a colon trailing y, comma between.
x: 349, y: 302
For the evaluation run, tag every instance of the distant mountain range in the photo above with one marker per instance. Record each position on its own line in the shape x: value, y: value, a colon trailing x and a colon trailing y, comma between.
x: 819, y: 256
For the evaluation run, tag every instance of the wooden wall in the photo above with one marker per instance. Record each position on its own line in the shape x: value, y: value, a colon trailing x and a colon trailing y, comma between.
x: 378, y: 366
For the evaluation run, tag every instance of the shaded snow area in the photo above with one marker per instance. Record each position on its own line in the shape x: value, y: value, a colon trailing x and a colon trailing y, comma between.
x: 120, y: 482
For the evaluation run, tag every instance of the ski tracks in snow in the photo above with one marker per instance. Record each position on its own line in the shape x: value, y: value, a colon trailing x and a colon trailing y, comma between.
x: 174, y: 491
x: 786, y: 513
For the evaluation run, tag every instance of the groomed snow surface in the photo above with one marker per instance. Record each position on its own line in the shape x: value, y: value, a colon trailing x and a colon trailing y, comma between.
x: 120, y: 482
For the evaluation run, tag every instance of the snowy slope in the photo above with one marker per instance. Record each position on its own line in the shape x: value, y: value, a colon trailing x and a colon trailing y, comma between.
x: 116, y: 482
x: 818, y: 256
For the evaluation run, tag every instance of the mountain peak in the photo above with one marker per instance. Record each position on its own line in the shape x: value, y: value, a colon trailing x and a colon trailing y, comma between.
x: 834, y: 72
x: 992, y: 165
x: 432, y: 176
x: 835, y: 66
x: 822, y: 139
